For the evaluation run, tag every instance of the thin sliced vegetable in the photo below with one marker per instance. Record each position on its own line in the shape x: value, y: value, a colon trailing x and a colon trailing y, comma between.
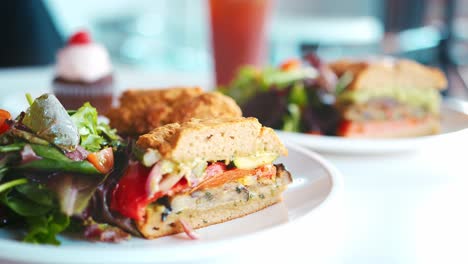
x: 188, y: 229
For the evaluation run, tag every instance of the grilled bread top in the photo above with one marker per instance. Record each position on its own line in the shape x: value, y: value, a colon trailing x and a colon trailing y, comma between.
x: 212, y: 139
x: 395, y: 73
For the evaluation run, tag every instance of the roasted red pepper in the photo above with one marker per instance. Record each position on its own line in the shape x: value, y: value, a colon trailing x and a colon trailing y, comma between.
x: 129, y: 196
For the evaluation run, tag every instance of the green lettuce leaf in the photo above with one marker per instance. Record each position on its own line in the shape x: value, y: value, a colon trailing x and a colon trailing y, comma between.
x: 43, y: 229
x: 86, y: 119
x: 54, y: 160
x: 247, y: 83
x: 292, y: 121
x: 24, y: 204
x: 298, y: 95
x: 250, y: 80
x: 93, y: 135
x: 35, y: 204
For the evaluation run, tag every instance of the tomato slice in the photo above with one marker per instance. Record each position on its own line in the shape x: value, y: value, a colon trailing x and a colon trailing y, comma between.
x: 290, y: 64
x: 103, y: 160
x: 4, y: 115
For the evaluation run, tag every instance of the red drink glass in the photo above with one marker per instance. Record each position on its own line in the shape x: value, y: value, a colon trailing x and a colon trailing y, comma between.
x: 238, y: 31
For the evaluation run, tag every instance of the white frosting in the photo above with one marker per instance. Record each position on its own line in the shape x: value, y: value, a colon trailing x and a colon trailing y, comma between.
x: 87, y: 63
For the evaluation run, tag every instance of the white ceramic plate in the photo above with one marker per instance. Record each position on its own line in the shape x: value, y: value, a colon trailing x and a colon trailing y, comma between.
x: 316, y: 183
x: 454, y: 120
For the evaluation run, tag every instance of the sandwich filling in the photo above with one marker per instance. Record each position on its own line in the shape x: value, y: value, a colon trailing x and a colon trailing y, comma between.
x: 215, y: 204
x: 176, y: 186
x: 427, y: 100
x: 380, y: 99
x: 401, y: 112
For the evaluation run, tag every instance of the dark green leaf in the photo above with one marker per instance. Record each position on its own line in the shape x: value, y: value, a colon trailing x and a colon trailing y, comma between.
x: 49, y: 152
x: 3, y: 171
x: 36, y: 193
x: 298, y: 95
x: 35, y: 204
x: 83, y: 167
x: 21, y: 205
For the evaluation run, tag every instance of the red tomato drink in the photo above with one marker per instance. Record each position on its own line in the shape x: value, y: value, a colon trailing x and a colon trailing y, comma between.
x: 238, y: 30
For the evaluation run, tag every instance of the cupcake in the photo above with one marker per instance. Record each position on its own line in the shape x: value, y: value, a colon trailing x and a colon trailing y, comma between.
x: 83, y: 73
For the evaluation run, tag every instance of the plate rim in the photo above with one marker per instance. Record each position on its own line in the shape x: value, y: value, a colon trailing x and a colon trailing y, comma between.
x: 390, y: 146
x: 168, y: 253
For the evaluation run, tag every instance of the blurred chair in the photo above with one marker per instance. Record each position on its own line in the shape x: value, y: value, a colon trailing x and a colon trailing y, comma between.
x: 29, y: 36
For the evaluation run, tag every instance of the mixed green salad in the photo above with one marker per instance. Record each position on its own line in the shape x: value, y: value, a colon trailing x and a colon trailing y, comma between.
x: 297, y: 96
x: 52, y: 163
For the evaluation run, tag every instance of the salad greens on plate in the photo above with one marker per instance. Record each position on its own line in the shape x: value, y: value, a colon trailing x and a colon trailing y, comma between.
x: 296, y: 96
x: 52, y: 163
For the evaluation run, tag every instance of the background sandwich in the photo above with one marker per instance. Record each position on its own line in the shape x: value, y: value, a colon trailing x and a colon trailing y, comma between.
x: 388, y: 98
x: 200, y: 173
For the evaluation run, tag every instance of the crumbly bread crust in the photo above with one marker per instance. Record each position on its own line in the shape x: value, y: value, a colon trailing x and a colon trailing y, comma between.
x: 390, y: 73
x: 205, y: 106
x: 152, y: 227
x: 199, y: 219
x: 140, y: 111
x: 212, y: 139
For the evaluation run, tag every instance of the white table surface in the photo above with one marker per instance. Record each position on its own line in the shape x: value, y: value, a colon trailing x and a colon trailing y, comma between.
x: 400, y: 208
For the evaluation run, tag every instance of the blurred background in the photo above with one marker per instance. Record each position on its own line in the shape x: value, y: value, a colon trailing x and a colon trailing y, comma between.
x: 167, y: 35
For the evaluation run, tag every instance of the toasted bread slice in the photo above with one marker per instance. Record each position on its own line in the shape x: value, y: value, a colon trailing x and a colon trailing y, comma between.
x: 229, y: 201
x: 398, y: 73
x: 140, y: 111
x: 212, y: 139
